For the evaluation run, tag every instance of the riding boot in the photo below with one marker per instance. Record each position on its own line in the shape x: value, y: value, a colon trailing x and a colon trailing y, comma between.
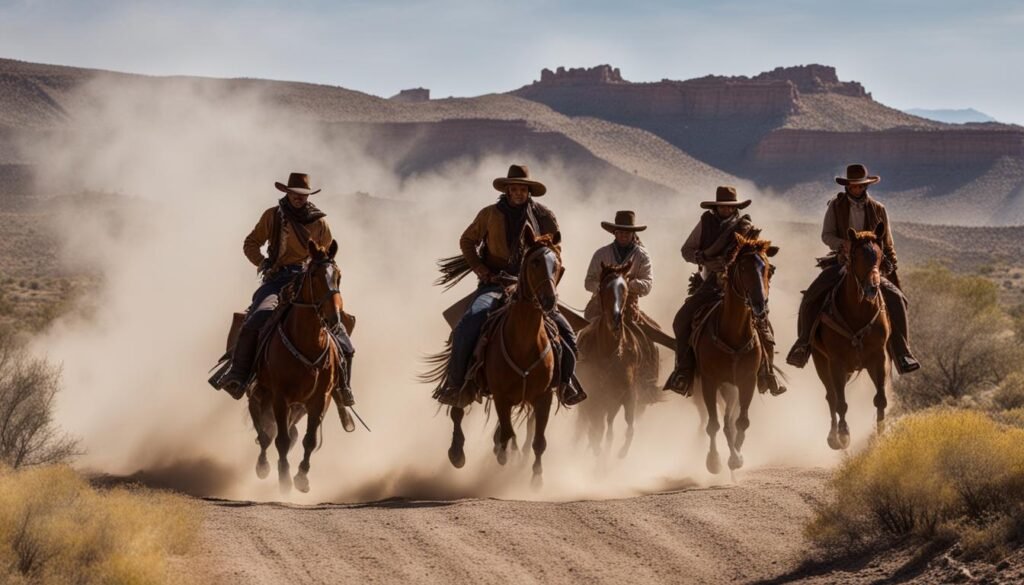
x: 571, y: 392
x: 681, y: 379
x: 801, y: 351
x: 899, y: 346
x: 237, y: 378
x: 766, y: 379
x: 342, y: 393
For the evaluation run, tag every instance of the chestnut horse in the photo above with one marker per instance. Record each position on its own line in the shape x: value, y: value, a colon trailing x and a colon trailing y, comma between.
x: 610, y: 357
x: 519, y: 356
x: 728, y: 349
x: 298, y: 368
x: 853, y: 333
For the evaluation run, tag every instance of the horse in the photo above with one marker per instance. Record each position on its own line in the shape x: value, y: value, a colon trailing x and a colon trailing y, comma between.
x: 853, y: 333
x: 610, y: 360
x: 299, y: 368
x: 519, y: 356
x: 728, y: 348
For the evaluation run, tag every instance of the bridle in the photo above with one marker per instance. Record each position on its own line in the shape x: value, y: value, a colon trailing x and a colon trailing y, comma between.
x: 550, y: 279
x: 307, y: 282
x: 733, y: 278
x: 876, y: 250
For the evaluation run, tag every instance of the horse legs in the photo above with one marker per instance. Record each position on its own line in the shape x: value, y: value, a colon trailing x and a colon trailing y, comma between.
x: 877, y: 373
x: 456, y: 453
x: 629, y: 412
x: 729, y: 392
x: 709, y: 388
x: 839, y: 378
x: 283, y: 443
x: 264, y: 434
x: 609, y: 417
x: 314, y: 416
x: 505, y: 430
x: 541, y: 410
x: 821, y: 364
x: 531, y: 431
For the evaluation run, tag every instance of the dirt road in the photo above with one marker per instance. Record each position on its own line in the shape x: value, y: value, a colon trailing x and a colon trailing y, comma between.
x: 731, y: 534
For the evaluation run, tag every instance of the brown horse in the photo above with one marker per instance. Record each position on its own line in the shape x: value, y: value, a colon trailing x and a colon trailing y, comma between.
x: 519, y: 357
x: 853, y: 333
x: 299, y: 368
x: 610, y: 357
x: 728, y: 349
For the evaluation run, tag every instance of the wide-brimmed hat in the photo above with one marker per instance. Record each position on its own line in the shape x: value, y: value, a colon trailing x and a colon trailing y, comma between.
x: 625, y: 221
x: 725, y: 197
x: 857, y: 175
x: 520, y: 175
x: 297, y: 183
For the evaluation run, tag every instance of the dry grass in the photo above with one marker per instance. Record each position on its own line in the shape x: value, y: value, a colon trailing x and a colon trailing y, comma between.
x: 941, y: 475
x: 55, y: 528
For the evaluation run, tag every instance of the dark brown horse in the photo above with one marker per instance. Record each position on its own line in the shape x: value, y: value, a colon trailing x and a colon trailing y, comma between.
x: 853, y: 333
x: 298, y: 369
x: 519, y: 357
x: 610, y: 357
x: 729, y: 353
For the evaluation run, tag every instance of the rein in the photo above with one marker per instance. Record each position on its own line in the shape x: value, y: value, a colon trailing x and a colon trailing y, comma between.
x: 331, y: 291
x: 734, y: 353
x: 524, y: 280
x: 837, y: 323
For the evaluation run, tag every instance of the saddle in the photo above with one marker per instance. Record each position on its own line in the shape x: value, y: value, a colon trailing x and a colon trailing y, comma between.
x: 829, y: 317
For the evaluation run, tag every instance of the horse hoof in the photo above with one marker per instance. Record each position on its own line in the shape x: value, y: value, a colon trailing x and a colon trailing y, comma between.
x: 302, y: 482
x: 833, y: 442
x: 457, y: 457
x: 844, y: 440
x: 735, y: 461
x: 262, y: 469
x: 713, y: 464
x: 346, y: 419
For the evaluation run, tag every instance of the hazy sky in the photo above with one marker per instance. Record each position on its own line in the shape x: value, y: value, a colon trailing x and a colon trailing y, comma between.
x: 913, y: 53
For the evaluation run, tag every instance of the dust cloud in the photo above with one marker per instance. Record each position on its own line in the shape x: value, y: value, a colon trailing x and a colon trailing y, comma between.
x: 194, y: 165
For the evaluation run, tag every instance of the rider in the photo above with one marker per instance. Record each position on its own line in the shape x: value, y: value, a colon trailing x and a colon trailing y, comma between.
x: 626, y: 247
x: 286, y: 228
x: 492, y: 246
x: 709, y: 246
x: 854, y: 208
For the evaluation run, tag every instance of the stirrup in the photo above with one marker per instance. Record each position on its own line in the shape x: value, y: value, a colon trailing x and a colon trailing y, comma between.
x: 907, y: 364
x: 567, y: 399
x: 680, y: 382
x: 343, y: 396
x: 798, y: 356
x: 234, y: 387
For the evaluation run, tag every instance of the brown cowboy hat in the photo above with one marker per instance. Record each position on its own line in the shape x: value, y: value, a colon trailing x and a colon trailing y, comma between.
x: 298, y: 183
x: 725, y: 197
x: 520, y: 175
x: 857, y: 175
x: 624, y: 221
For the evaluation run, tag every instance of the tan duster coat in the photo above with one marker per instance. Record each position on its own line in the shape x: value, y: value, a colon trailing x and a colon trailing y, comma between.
x: 291, y: 250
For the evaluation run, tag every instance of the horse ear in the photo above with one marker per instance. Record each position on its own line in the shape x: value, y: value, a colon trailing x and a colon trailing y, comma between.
x: 880, y: 231
x: 626, y: 267
x: 772, y: 250
x: 312, y: 247
x: 529, y: 237
x: 333, y: 249
x: 850, y: 234
x: 556, y: 238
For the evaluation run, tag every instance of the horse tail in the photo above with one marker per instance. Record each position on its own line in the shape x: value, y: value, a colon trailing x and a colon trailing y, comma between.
x: 453, y: 269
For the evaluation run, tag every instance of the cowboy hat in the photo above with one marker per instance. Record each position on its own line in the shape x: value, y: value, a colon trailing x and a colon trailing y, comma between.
x: 725, y: 197
x: 857, y: 175
x: 298, y: 183
x: 624, y: 221
x: 520, y: 175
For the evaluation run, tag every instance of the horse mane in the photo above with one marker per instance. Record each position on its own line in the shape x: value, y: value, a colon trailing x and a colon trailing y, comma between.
x: 865, y: 236
x: 607, y: 270
x: 752, y: 244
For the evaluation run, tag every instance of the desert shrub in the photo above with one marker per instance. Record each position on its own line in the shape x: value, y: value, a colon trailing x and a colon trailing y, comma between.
x: 961, y: 335
x: 1010, y: 394
x: 934, y: 474
x: 28, y: 389
x: 55, y: 528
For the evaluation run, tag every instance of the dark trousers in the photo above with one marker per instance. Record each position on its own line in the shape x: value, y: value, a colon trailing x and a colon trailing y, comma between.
x: 467, y: 333
x: 813, y: 302
x: 682, y: 325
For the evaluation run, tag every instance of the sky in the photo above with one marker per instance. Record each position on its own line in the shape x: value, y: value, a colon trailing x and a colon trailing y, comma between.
x: 908, y: 53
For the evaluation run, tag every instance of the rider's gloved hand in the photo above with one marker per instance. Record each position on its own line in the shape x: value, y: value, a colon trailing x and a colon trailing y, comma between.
x: 264, y: 266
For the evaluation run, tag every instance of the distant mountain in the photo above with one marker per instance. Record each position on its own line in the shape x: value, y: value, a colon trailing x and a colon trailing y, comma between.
x: 963, y: 116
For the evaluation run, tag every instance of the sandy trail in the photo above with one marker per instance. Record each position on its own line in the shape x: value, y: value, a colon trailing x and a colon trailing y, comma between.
x: 736, y: 533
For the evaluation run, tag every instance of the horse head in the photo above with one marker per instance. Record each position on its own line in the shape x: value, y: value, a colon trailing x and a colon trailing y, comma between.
x: 541, y: 269
x: 614, y: 293
x: 748, y: 272
x: 864, y: 260
x: 319, y: 283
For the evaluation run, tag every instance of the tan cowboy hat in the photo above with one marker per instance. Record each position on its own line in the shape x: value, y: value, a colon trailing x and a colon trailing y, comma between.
x: 857, y: 175
x: 624, y: 221
x: 520, y: 175
x: 298, y: 183
x: 725, y: 197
